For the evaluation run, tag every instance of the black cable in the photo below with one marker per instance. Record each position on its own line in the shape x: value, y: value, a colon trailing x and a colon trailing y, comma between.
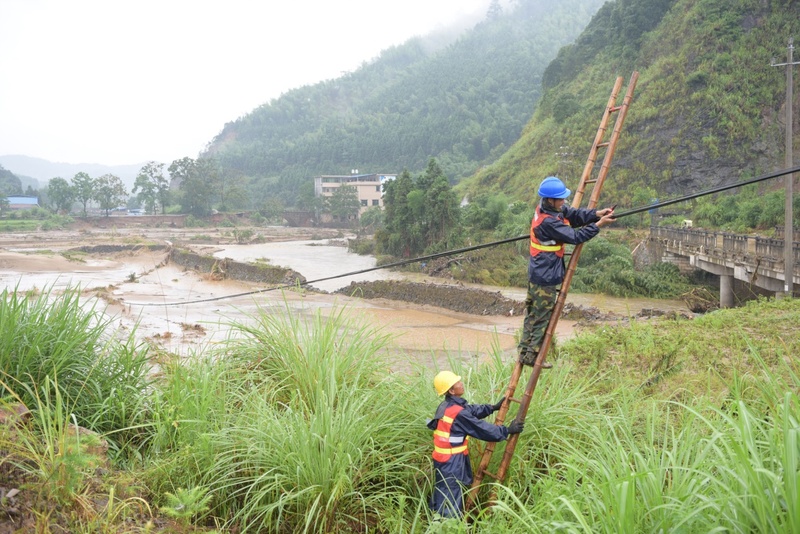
x: 362, y: 271
x: 761, y: 178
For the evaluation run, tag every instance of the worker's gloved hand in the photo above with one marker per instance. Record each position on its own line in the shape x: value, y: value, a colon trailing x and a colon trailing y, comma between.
x: 516, y: 427
x: 499, y: 404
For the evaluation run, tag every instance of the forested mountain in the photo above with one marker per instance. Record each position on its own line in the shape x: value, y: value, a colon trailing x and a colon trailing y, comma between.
x: 9, y: 183
x: 463, y: 104
x: 708, y: 108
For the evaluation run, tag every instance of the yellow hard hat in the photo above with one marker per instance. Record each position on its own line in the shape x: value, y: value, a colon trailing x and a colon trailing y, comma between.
x: 443, y: 381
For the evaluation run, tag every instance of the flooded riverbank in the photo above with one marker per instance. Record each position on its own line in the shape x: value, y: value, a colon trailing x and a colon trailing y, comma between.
x: 184, y: 311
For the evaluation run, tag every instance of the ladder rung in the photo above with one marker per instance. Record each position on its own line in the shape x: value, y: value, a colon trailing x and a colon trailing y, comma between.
x: 590, y: 181
x: 513, y: 399
x: 615, y: 108
x: 602, y: 145
x: 485, y: 472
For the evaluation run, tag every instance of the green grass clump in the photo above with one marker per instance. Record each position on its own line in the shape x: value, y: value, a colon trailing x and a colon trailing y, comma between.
x: 101, y: 378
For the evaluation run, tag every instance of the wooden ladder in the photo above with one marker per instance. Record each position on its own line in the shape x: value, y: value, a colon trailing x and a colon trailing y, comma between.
x: 586, y: 179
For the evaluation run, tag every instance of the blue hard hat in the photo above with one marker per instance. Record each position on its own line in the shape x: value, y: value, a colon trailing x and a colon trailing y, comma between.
x: 552, y: 187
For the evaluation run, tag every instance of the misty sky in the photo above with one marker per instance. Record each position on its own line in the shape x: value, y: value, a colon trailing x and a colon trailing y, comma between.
x: 123, y: 82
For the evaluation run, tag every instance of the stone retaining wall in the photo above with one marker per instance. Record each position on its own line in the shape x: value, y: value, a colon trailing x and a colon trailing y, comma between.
x: 228, y: 268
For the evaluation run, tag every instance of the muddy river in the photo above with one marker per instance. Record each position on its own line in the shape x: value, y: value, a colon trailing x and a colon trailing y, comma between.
x: 186, y: 312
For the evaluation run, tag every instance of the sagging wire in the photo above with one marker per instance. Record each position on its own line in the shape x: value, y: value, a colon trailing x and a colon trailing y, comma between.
x: 298, y: 283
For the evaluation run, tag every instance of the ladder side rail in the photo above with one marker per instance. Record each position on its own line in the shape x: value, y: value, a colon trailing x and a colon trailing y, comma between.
x: 587, y: 171
x: 562, y: 296
x: 488, y: 451
x: 598, y: 139
x: 530, y: 387
x: 612, y: 143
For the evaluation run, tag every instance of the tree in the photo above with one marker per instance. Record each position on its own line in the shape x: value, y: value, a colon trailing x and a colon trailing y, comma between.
x: 3, y: 204
x: 152, y: 187
x: 396, y: 237
x: 271, y: 209
x: 109, y: 192
x: 60, y: 194
x: 371, y: 219
x: 308, y: 200
x: 232, y: 191
x: 195, y: 180
x: 495, y: 10
x: 343, y: 203
x: 442, y: 213
x: 84, y: 186
x: 420, y: 214
x: 10, y: 184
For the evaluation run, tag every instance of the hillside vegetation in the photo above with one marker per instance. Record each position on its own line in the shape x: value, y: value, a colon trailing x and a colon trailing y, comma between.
x: 463, y: 102
x: 707, y: 110
x: 678, y: 425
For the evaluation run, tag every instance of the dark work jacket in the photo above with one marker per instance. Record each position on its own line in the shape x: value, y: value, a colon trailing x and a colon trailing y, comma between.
x: 545, y: 268
x: 468, y: 422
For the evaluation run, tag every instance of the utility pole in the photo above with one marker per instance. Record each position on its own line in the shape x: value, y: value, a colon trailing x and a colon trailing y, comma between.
x: 788, y: 229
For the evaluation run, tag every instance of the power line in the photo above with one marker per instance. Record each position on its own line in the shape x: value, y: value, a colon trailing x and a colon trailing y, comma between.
x: 761, y: 178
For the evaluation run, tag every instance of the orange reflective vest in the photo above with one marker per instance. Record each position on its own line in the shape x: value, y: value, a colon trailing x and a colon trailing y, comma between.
x: 544, y: 246
x: 445, y: 445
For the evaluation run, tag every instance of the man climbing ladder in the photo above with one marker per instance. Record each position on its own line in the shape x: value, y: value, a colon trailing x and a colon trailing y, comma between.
x: 554, y: 224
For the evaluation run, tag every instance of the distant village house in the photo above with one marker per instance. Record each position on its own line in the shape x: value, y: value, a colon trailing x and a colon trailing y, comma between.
x: 22, y: 202
x: 368, y: 186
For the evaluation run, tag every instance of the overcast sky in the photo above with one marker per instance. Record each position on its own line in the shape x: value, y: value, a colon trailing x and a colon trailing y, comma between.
x: 123, y: 82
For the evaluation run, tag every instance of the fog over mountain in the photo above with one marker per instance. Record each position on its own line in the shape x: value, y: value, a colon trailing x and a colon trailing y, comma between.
x: 43, y: 171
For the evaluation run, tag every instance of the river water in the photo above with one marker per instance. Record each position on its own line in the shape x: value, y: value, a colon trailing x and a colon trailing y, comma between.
x: 428, y: 333
x: 185, y: 312
x: 317, y: 260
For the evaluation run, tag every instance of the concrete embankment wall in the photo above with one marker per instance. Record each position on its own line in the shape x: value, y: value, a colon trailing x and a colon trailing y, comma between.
x: 111, y: 249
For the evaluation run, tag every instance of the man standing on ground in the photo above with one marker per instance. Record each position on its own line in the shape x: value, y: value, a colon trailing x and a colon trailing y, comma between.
x: 554, y: 224
x: 454, y: 422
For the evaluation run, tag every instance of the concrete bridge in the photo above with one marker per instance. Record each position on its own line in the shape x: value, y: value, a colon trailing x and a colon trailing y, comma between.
x: 757, y: 261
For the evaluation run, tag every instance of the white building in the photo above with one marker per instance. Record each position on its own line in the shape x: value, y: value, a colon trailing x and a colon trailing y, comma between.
x: 368, y: 186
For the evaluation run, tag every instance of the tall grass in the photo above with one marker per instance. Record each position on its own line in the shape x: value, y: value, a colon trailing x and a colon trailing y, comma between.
x: 661, y: 466
x: 294, y: 424
x: 50, y: 338
x: 300, y: 356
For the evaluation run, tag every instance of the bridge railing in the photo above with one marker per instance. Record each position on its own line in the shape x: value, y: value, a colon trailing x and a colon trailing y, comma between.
x: 725, y: 242
x: 773, y: 248
x: 736, y: 243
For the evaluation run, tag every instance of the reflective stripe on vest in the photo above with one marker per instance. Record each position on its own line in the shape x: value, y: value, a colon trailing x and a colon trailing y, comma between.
x: 445, y: 445
x: 544, y: 246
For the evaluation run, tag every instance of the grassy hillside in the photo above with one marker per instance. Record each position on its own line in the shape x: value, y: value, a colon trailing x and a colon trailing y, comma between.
x: 675, y: 425
x: 708, y: 108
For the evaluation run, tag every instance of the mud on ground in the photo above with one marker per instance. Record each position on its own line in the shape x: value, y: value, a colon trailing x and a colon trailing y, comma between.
x: 452, y: 297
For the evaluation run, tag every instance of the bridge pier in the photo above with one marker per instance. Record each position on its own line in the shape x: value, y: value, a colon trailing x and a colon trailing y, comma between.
x: 726, y: 276
x: 726, y: 291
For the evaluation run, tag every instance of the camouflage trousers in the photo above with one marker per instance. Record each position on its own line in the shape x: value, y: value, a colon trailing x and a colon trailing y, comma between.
x: 539, y: 306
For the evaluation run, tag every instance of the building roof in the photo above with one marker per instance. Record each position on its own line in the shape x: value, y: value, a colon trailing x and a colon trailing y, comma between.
x: 23, y: 200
